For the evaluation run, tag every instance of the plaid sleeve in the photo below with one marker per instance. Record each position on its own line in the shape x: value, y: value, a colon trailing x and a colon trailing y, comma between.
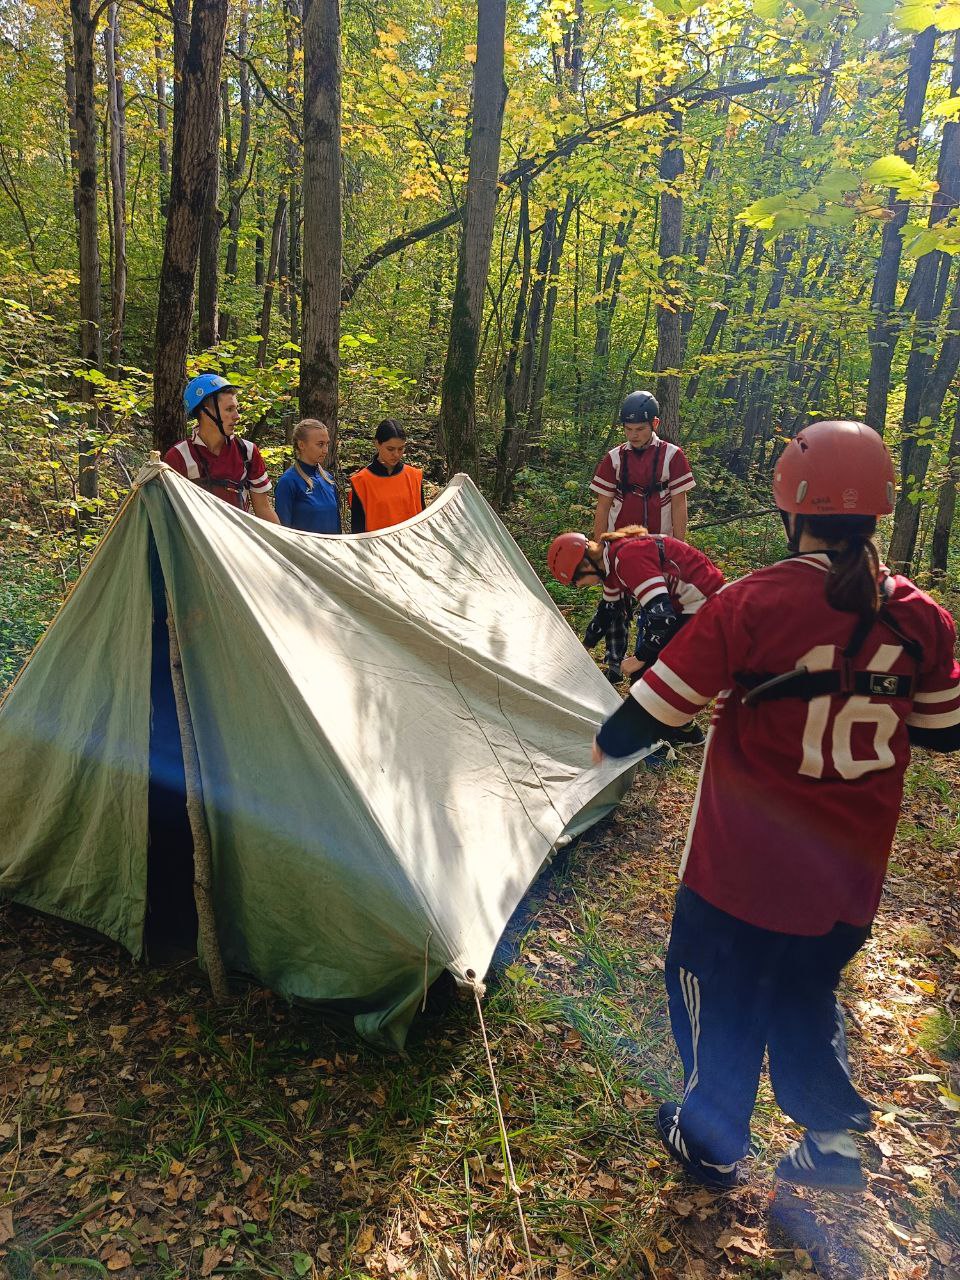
x: 604, y: 482
x: 679, y: 476
x: 257, y: 473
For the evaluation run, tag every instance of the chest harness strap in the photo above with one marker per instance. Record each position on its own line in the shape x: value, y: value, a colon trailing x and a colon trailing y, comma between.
x: 762, y: 686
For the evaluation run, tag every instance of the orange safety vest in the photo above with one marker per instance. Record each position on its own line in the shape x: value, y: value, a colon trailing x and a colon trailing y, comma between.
x: 387, y: 500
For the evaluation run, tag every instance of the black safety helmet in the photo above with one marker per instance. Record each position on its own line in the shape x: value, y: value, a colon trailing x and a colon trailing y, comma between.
x: 639, y: 406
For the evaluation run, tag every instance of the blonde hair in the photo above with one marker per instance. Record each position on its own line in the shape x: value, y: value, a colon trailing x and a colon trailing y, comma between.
x: 302, y: 430
x: 628, y: 531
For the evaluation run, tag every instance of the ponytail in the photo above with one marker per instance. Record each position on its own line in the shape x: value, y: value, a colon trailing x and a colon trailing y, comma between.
x: 852, y: 584
x: 628, y: 531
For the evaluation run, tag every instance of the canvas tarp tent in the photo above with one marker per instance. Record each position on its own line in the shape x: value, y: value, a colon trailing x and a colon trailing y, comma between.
x: 393, y: 732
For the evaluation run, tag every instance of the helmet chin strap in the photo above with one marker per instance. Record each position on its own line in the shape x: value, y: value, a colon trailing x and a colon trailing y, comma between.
x: 216, y: 413
x: 794, y: 536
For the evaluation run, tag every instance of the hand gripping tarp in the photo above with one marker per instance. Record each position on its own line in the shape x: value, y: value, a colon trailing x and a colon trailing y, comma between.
x: 393, y: 730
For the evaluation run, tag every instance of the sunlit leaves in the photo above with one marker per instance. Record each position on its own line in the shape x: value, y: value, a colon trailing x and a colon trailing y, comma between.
x: 945, y: 16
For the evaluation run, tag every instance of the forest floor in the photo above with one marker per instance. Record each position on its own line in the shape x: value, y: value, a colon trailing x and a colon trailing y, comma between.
x: 146, y: 1132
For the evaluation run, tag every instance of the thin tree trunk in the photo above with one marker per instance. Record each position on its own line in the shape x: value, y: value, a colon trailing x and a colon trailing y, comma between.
x: 322, y: 215
x: 85, y: 126
x: 926, y: 391
x: 927, y: 381
x: 236, y: 170
x: 669, y: 308
x: 163, y: 152
x: 276, y: 240
x: 260, y: 240
x: 208, y: 270
x: 535, y: 406
x: 294, y: 160
x: 194, y: 161
x: 458, y: 424
x: 946, y: 505
x: 506, y: 450
x: 886, y: 328
x: 116, y: 114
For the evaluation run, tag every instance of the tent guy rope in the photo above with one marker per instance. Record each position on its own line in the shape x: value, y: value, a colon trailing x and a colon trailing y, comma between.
x: 478, y: 990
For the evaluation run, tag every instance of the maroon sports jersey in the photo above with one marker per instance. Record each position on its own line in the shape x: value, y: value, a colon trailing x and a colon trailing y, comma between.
x: 634, y: 568
x: 798, y: 801
x: 194, y: 460
x: 641, y: 483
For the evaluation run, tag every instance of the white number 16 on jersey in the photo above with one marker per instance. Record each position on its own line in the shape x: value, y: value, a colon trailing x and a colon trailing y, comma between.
x: 857, y: 709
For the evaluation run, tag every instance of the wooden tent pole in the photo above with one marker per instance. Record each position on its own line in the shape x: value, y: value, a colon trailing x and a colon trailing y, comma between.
x: 202, y: 859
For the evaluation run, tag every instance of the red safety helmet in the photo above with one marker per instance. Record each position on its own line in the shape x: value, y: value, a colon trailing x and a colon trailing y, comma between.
x: 835, y: 469
x: 565, y: 555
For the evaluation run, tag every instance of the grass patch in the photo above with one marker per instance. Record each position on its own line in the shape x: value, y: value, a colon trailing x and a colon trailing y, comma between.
x: 940, y: 1034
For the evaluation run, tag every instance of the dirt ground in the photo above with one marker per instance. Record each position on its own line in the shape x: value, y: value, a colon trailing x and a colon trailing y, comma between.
x: 146, y: 1132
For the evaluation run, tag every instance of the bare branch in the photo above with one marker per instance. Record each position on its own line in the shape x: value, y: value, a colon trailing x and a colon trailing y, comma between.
x: 688, y: 95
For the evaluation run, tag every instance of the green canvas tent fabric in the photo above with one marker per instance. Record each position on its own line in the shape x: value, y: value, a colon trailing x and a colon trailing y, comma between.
x: 393, y: 732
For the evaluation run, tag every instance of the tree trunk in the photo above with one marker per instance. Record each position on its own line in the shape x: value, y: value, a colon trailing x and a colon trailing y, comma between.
x: 294, y: 161
x: 276, y: 238
x: 719, y: 318
x: 163, y: 153
x: 116, y: 114
x: 535, y: 406
x: 669, y: 308
x: 194, y: 162
x: 946, y: 505
x: 85, y: 126
x: 458, y: 425
x: 886, y: 328
x: 208, y: 270
x: 506, y: 450
x: 322, y: 215
x: 236, y: 166
x: 927, y: 382
x: 927, y: 386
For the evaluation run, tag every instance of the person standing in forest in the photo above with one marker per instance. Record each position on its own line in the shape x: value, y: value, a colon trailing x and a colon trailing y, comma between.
x: 215, y: 457
x: 388, y: 490
x: 306, y: 496
x: 826, y: 668
x: 643, y: 481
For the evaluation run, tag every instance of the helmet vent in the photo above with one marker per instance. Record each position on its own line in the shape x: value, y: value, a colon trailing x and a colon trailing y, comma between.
x: 801, y: 490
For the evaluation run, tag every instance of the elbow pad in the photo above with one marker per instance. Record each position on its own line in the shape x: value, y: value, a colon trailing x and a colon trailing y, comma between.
x: 659, y: 624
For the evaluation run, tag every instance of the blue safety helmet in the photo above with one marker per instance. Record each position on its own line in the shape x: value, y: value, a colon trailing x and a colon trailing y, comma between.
x: 202, y: 386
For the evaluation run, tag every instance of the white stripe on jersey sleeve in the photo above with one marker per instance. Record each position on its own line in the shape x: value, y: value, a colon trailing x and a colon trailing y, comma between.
x: 945, y: 720
x: 670, y: 677
x: 929, y: 711
x: 682, y: 485
x: 939, y: 695
x: 604, y: 487
x: 262, y: 485
x: 651, y: 587
x: 657, y: 706
x: 690, y: 597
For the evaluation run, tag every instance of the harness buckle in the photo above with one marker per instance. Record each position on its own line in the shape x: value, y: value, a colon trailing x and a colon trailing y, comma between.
x: 883, y: 686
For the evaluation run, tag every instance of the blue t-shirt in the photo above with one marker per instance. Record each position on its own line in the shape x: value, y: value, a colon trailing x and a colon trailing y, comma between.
x: 312, y: 507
